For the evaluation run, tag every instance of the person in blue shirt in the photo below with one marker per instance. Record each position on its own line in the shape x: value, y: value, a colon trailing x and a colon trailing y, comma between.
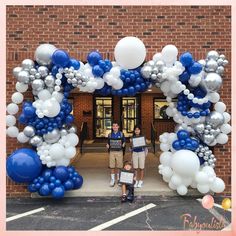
x: 115, y: 145
x: 138, y: 159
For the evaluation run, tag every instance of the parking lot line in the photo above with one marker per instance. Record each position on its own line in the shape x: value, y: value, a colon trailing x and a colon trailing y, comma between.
x: 24, y: 214
x: 121, y: 218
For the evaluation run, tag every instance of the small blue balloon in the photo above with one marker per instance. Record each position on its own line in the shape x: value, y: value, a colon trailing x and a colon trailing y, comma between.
x: 97, y: 71
x: 93, y: 58
x: 44, y: 190
x: 58, y: 192
x: 176, y: 145
x: 184, y: 77
x: 182, y: 134
x: 186, y: 59
x: 74, y: 63
x: 196, y: 68
x: 61, y: 173
x: 31, y: 188
x: 52, y: 186
x: 47, y: 174
x: 69, y: 119
x: 78, y: 182
x: 29, y: 111
x: 69, y: 184
x: 60, y: 58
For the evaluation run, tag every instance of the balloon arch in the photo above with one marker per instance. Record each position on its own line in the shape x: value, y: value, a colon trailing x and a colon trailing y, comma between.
x: 186, y: 159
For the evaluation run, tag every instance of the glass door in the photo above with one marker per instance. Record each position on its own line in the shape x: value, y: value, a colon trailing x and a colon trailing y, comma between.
x: 103, y: 116
x: 130, y: 115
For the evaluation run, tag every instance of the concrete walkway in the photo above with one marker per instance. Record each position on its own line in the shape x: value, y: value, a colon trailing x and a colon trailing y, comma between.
x: 94, y: 169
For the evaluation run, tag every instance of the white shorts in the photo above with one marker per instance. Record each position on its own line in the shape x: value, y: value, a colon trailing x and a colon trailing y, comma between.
x: 138, y: 159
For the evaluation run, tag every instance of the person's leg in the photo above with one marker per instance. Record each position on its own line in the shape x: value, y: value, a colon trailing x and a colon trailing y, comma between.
x: 136, y: 181
x: 119, y: 163
x: 112, y: 168
x: 141, y: 168
x: 130, y: 195
x: 124, y: 196
x: 135, y: 166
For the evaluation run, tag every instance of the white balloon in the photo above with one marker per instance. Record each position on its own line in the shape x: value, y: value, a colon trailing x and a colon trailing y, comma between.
x: 186, y: 181
x: 201, y: 177
x: 44, y: 95
x: 57, y: 151
x: 115, y: 71
x: 172, y: 186
x: 209, y: 170
x: 12, y: 131
x: 58, y: 96
x: 62, y: 162
x: 182, y: 190
x: 227, y: 117
x: 73, y: 139
x: 21, y: 87
x: 130, y: 52
x: 166, y: 179
x: 51, y: 107
x: 214, y: 97
x: 185, y: 163
x: 17, y: 97
x: 165, y: 158
x: 157, y: 57
x: 203, y: 188
x: 12, y: 108
x: 164, y: 147
x: 118, y: 85
x: 167, y: 172
x: 165, y: 86
x: 10, y: 120
x: 222, y: 138
x: 225, y: 128
x: 169, y: 54
x: 22, y: 138
x: 70, y: 152
x: 220, y: 107
x: 176, y: 180
x: 100, y: 83
x: 218, y: 185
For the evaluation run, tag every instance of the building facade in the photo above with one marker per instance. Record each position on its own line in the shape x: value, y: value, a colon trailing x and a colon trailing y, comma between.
x: 80, y: 29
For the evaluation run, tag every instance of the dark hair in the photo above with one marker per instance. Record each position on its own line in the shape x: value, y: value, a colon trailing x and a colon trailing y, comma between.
x: 115, y: 122
x: 137, y: 127
x: 127, y: 163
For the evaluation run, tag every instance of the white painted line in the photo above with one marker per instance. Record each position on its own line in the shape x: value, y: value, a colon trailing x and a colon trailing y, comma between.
x: 215, y: 204
x: 227, y: 228
x: 24, y: 214
x: 121, y: 218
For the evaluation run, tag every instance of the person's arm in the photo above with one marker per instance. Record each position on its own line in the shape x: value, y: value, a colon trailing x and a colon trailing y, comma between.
x: 123, y: 140
x: 108, y: 141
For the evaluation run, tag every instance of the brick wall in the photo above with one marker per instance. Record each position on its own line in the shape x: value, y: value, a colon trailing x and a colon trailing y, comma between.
x: 79, y: 29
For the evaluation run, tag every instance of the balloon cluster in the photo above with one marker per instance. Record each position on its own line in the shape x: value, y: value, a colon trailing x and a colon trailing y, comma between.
x: 198, y: 125
x: 55, y: 181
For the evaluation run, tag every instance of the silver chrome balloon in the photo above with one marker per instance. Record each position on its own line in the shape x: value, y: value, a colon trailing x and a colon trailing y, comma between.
x: 52, y: 137
x: 16, y: 71
x: 146, y: 71
x: 49, y: 81
x: 43, y: 54
x: 72, y: 129
x: 63, y: 132
x: 23, y: 77
x: 27, y: 64
x: 29, y: 131
x: 211, y: 66
x: 43, y: 71
x: 212, y: 82
x: 213, y: 55
x: 37, y: 84
x: 215, y: 119
x: 36, y: 141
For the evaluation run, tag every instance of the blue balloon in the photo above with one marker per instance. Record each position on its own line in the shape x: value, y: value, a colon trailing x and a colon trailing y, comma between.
x: 102, y: 64
x: 57, y: 182
x: 58, y: 192
x: 52, y: 186
x: 131, y: 90
x: 97, y: 71
x: 176, y: 145
x: 44, y: 190
x: 23, y: 165
x: 182, y: 134
x: 186, y: 59
x: 68, y: 185
x: 71, y: 169
x: 31, y: 188
x: 74, y: 63
x: 195, y: 144
x: 196, y: 68
x: 69, y: 119
x: 22, y: 119
x: 137, y: 87
x: 93, y: 58
x: 78, y: 182
x: 60, y: 58
x: 47, y: 174
x: 61, y: 173
x: 184, y: 77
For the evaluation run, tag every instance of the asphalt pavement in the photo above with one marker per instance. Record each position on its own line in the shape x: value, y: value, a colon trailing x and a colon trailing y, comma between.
x: 108, y: 213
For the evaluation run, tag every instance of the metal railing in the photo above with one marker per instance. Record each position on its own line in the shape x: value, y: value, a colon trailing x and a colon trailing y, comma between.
x: 83, y: 135
x: 153, y: 137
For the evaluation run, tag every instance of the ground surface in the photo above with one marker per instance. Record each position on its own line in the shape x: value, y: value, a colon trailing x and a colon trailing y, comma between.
x: 165, y: 213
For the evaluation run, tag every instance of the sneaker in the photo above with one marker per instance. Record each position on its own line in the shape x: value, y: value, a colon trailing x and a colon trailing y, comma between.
x: 124, y: 198
x: 140, y: 183
x: 136, y: 184
x: 112, y: 183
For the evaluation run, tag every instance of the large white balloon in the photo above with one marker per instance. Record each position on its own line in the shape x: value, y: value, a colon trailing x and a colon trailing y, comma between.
x: 165, y: 158
x: 51, y: 107
x: 12, y: 131
x: 169, y: 54
x: 21, y: 87
x: 44, y: 95
x: 72, y: 139
x: 225, y: 128
x: 222, y: 138
x: 22, y: 138
x: 218, y: 185
x: 130, y: 52
x: 43, y: 54
x: 17, y: 97
x: 57, y: 151
x: 12, y: 108
x: 220, y: 107
x: 10, y: 120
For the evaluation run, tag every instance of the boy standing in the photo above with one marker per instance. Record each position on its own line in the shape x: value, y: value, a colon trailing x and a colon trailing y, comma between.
x: 115, y: 145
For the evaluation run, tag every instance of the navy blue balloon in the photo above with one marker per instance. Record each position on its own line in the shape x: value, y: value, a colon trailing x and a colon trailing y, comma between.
x: 93, y: 58
x: 184, y: 77
x: 60, y: 58
x: 102, y: 64
x: 45, y: 190
x: 22, y: 119
x: 58, y: 192
x: 69, y: 119
x: 176, y: 145
x: 52, y: 186
x: 23, y: 165
x: 57, y: 182
x: 31, y: 188
x: 97, y: 71
x: 61, y: 173
x: 186, y: 59
x: 182, y: 134
x: 74, y: 63
x: 68, y: 185
x: 78, y: 182
x: 47, y: 174
x: 196, y: 68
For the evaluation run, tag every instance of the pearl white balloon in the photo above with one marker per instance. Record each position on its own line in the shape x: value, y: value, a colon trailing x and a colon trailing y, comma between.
x: 12, y: 108
x: 203, y: 188
x: 59, y: 96
x: 220, y: 107
x: 10, y: 120
x: 164, y: 147
x: 169, y: 54
x: 21, y: 87
x: 222, y: 138
x: 12, y: 131
x: 70, y: 152
x: 22, y: 138
x: 115, y: 71
x: 227, y: 117
x: 218, y: 186
x: 130, y: 52
x: 167, y: 172
x: 17, y: 97
x: 51, y: 108
x: 201, y: 177
x: 44, y: 95
x: 214, y: 97
x: 225, y: 128
x: 176, y: 180
x: 172, y: 186
x: 165, y: 158
x: 73, y: 139
x: 182, y: 190
x: 57, y: 151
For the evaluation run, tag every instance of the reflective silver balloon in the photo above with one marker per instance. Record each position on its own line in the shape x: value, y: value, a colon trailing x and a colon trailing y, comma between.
x: 199, y: 128
x: 153, y: 76
x: 29, y: 131
x: 37, y: 84
x: 211, y: 66
x: 27, y: 64
x: 202, y: 62
x: 215, y: 119
x: 33, y: 71
x: 37, y: 76
x: 36, y: 141
x: 72, y: 129
x: 50, y: 81
x: 213, y: 55
x: 220, y: 61
x: 52, y: 137
x: 220, y: 70
x: 63, y: 132
x: 212, y: 82
x: 16, y: 71
x: 43, y: 54
x: 155, y: 70
x: 225, y: 62
x: 146, y: 71
x: 208, y: 138
x: 23, y: 76
x: 150, y: 63
x: 43, y: 71
x: 222, y: 56
x: 160, y: 64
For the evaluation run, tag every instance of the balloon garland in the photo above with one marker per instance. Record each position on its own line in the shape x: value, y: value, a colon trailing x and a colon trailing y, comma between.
x: 186, y: 158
